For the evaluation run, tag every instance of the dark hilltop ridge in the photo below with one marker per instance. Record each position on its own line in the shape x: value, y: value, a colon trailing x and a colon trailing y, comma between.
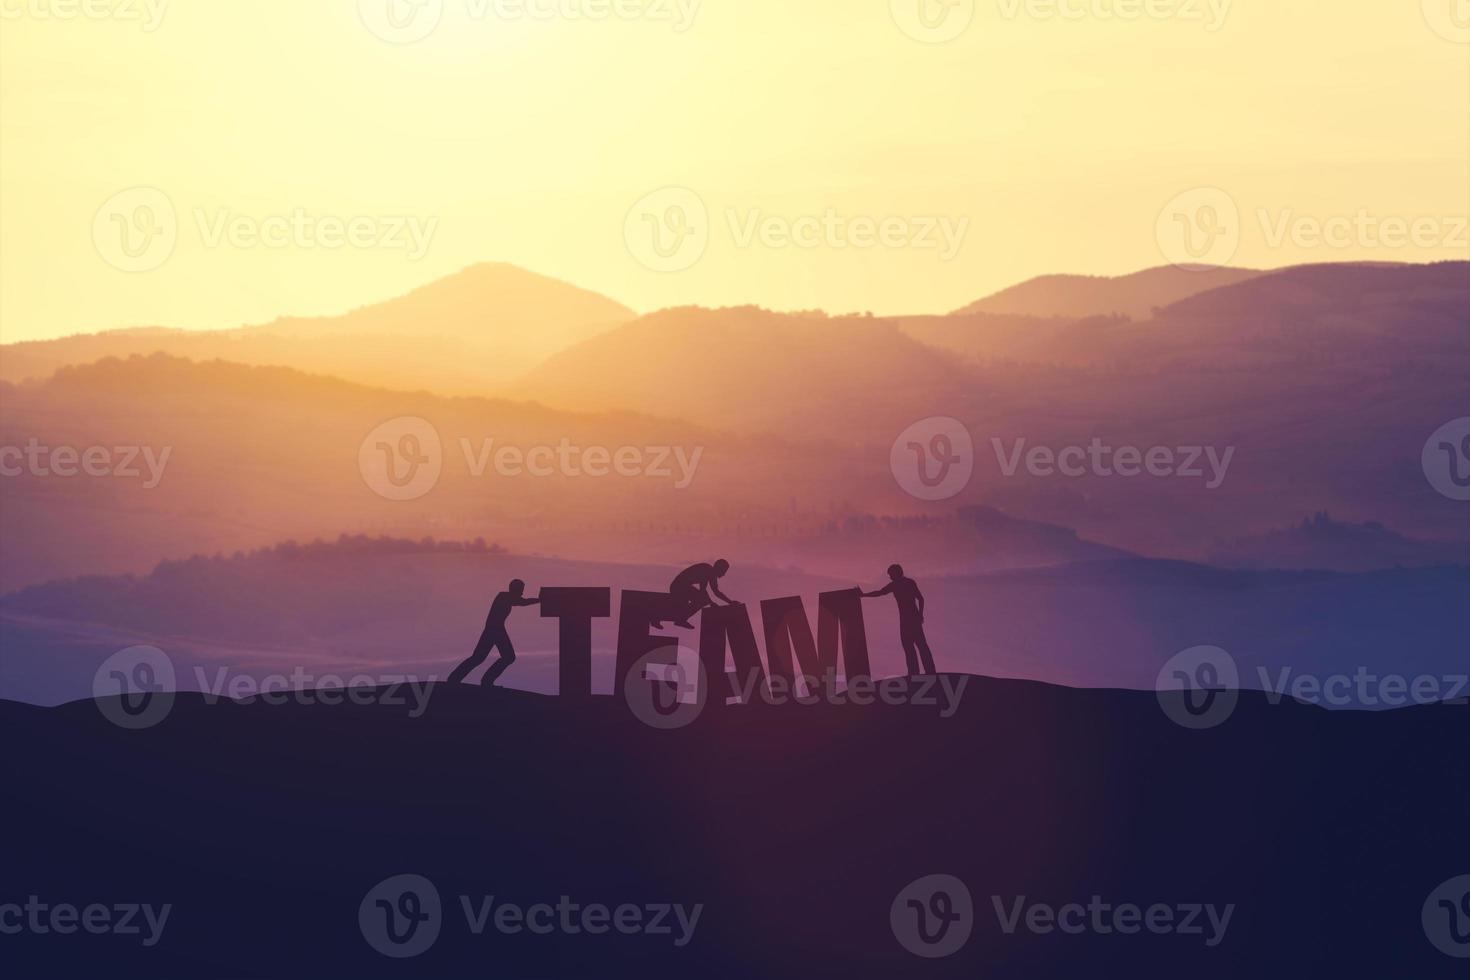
x: 264, y: 828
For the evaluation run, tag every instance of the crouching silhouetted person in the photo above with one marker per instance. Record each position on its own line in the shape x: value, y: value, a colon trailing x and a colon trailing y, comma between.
x: 694, y: 588
x: 910, y: 619
x: 495, y: 637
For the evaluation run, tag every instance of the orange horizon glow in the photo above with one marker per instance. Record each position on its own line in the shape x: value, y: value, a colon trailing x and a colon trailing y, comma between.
x: 312, y: 165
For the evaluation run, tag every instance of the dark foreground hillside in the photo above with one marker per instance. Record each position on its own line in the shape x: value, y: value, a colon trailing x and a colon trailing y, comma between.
x: 265, y: 828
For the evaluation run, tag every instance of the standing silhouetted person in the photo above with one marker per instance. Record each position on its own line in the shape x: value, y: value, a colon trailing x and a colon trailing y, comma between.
x: 691, y: 590
x: 910, y: 619
x: 495, y: 637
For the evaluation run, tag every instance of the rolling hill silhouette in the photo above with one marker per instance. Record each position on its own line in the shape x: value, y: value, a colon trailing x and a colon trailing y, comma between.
x: 267, y: 825
x: 466, y: 334
x: 354, y: 605
x: 262, y: 454
x: 1323, y: 543
x: 1226, y: 368
x: 750, y: 369
x: 996, y: 340
x: 1135, y: 295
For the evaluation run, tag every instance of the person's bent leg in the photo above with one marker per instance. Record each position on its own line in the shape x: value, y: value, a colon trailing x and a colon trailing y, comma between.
x: 482, y: 650
x: 687, y: 605
x: 506, y: 658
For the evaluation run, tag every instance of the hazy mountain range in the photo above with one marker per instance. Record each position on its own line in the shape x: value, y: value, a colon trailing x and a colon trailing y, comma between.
x: 1321, y: 542
x: 462, y: 335
x: 1315, y: 387
x: 1255, y: 369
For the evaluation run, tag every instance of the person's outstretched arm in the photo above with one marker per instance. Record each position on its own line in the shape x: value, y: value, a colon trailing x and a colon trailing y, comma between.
x: 883, y: 591
x: 528, y: 602
x: 716, y: 590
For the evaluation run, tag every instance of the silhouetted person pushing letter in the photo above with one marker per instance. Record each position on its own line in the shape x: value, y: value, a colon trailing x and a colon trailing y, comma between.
x: 910, y: 619
x: 691, y: 590
x: 495, y: 637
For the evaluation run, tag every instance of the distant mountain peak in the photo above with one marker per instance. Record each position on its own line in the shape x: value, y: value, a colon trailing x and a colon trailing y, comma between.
x: 467, y: 333
x: 448, y: 303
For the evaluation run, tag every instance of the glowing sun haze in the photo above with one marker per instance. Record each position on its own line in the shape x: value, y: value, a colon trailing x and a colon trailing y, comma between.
x: 1048, y: 143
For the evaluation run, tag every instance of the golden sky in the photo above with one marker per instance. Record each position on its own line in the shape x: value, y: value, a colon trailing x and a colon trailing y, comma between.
x: 213, y: 162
